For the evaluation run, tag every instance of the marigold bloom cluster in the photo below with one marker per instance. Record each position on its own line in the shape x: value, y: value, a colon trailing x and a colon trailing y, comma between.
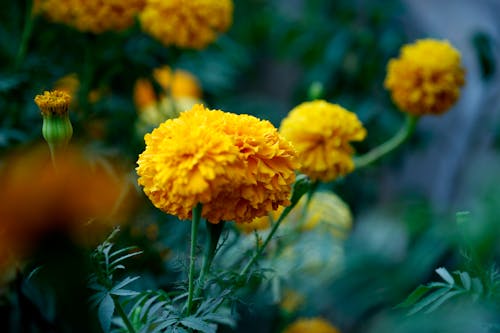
x: 426, y: 78
x: 94, y: 16
x: 321, y: 133
x: 237, y: 166
x: 186, y: 24
x: 326, y: 210
x: 311, y: 325
x: 177, y: 84
x: 54, y: 102
x: 180, y: 91
x: 77, y: 197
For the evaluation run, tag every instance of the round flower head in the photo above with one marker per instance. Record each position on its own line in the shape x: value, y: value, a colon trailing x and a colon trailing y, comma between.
x: 237, y: 166
x: 94, y: 16
x: 321, y: 133
x: 312, y: 325
x: 180, y: 91
x: 426, y: 78
x: 186, y: 24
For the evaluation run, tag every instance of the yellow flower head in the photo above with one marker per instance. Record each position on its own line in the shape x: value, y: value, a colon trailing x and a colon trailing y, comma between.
x: 311, y: 325
x: 426, y: 78
x: 237, y: 166
x: 94, y: 16
x: 321, y: 133
x: 186, y: 23
x: 54, y: 102
x: 325, y: 210
x: 176, y: 84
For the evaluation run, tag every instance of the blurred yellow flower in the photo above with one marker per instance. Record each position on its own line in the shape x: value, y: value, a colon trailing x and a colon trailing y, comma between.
x: 321, y: 133
x: 176, y: 84
x: 71, y: 84
x: 237, y: 166
x: 94, y: 16
x: 291, y: 301
x: 78, y: 197
x: 325, y: 210
x: 311, y: 325
x: 186, y: 24
x: 260, y: 223
x: 180, y: 91
x: 426, y: 78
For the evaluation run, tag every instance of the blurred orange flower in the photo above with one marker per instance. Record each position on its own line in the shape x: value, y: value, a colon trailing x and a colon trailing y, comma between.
x: 79, y: 197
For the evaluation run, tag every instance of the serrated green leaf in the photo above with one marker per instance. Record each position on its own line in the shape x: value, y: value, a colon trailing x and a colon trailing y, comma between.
x: 120, y: 259
x: 163, y: 325
x: 105, y: 312
x: 123, y: 283
x: 414, y: 297
x: 198, y: 324
x: 443, y: 273
x: 477, y: 286
x: 220, y: 319
x: 432, y: 297
x: 146, y: 306
x: 466, y: 280
x: 443, y: 299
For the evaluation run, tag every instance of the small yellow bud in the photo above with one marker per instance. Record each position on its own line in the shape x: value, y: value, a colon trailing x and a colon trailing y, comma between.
x: 56, y: 128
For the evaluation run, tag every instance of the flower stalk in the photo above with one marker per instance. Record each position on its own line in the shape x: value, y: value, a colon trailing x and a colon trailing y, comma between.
x: 194, y: 235
x: 302, y: 185
x: 122, y: 314
x: 390, y: 145
x: 25, y: 37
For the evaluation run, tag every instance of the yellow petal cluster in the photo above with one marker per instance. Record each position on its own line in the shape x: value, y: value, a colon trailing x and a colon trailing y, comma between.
x: 54, y: 102
x: 311, y: 325
x: 426, y: 78
x: 321, y: 133
x: 325, y: 210
x: 94, y: 16
x: 186, y: 23
x: 177, y: 84
x: 237, y: 166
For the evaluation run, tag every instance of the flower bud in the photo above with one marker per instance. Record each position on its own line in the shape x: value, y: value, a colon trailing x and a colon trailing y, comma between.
x: 56, y: 128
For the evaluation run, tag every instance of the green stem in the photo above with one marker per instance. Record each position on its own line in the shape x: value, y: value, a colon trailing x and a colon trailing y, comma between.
x: 214, y: 231
x: 194, y: 234
x: 122, y: 314
x: 27, y: 30
x: 266, y: 241
x: 310, y: 194
x: 398, y: 139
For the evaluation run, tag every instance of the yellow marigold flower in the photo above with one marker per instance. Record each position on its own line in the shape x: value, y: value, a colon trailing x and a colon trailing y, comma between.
x: 181, y: 91
x: 426, y: 78
x: 237, y: 166
x: 325, y: 210
x: 53, y: 103
x: 177, y: 84
x: 311, y: 325
x: 144, y: 94
x: 94, y: 16
x: 321, y: 133
x: 186, y: 24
